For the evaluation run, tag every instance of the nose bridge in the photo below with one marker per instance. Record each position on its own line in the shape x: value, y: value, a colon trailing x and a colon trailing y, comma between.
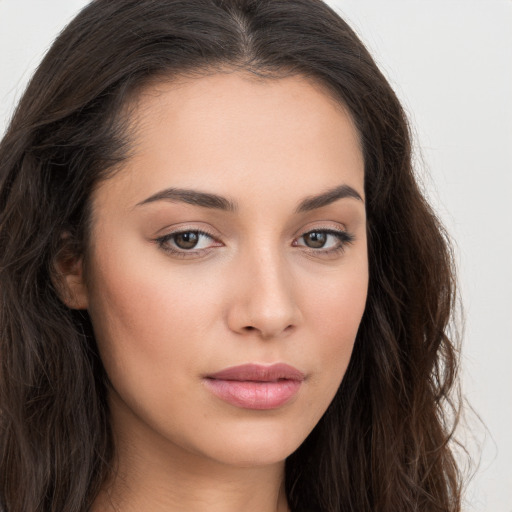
x: 265, y: 301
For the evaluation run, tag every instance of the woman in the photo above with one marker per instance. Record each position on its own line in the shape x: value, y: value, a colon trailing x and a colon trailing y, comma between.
x: 221, y: 286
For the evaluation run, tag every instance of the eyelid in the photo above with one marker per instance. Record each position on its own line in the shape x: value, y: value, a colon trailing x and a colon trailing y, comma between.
x: 183, y: 227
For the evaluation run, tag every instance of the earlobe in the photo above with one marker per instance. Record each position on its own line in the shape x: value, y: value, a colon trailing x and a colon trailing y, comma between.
x: 69, y: 280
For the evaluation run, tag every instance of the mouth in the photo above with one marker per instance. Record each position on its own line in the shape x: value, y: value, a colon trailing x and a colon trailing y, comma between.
x: 254, y: 386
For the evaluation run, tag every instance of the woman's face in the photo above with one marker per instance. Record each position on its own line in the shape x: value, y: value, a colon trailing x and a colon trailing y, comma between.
x: 234, y: 235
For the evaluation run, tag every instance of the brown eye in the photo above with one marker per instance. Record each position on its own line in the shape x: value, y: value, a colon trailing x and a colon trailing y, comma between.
x: 186, y: 240
x: 325, y: 241
x: 187, y: 243
x: 315, y: 239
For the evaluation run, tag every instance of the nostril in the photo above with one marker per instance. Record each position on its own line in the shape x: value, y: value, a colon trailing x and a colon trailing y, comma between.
x: 267, y: 334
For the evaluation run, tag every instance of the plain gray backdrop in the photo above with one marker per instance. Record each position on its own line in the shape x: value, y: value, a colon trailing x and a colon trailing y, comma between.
x: 450, y: 63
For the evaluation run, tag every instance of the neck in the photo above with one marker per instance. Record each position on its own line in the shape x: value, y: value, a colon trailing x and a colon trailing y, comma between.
x: 218, y: 490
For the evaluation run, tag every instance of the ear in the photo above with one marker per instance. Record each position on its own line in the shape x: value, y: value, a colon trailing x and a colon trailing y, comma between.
x: 69, y: 279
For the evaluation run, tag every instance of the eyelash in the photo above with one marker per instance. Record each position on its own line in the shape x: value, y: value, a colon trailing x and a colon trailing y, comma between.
x: 344, y: 239
x: 182, y: 253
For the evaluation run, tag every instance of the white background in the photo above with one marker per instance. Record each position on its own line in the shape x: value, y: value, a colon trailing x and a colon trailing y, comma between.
x: 450, y: 62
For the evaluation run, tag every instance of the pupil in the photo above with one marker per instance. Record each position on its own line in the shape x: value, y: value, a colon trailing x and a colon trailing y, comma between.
x: 315, y: 239
x: 186, y: 240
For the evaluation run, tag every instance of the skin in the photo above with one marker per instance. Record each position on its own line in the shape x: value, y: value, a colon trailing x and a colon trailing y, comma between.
x: 254, y: 291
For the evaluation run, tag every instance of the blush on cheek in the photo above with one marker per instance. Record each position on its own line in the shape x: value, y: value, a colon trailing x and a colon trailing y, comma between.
x: 340, y: 308
x: 338, y: 314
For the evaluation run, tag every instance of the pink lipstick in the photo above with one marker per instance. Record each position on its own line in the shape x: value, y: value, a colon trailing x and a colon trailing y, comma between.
x: 254, y: 386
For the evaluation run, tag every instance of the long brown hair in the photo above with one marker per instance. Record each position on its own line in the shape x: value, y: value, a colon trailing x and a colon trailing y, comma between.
x: 384, y: 443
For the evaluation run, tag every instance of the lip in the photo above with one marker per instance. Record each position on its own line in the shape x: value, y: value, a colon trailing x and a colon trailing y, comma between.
x: 255, y: 386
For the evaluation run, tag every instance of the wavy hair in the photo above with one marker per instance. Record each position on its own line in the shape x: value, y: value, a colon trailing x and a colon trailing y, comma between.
x: 383, y: 445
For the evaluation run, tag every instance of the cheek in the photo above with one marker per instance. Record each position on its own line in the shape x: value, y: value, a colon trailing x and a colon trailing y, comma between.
x: 334, y: 314
x: 141, y: 308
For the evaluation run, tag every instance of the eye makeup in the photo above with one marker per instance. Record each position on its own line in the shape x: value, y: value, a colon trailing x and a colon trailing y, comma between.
x: 184, y: 243
x: 328, y: 242
x: 195, y: 243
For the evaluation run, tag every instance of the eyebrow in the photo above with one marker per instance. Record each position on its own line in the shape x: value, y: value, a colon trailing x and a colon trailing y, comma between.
x: 193, y: 197
x: 214, y: 201
x: 328, y: 197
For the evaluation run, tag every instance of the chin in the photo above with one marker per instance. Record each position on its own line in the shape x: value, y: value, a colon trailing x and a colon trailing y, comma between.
x: 258, y: 446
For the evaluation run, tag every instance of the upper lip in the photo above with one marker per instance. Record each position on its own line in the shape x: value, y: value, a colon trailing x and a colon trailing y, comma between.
x: 259, y: 373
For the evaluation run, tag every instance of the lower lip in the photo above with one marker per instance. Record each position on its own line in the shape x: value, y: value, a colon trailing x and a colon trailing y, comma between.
x: 254, y: 395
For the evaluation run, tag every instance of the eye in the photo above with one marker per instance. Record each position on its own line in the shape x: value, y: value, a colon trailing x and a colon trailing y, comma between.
x: 187, y: 241
x: 325, y: 240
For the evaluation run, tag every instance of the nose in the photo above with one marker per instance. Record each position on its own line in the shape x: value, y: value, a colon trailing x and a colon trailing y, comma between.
x: 263, y: 300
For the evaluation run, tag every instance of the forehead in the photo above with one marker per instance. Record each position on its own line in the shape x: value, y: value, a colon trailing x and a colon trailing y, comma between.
x: 232, y: 130
x: 222, y: 99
